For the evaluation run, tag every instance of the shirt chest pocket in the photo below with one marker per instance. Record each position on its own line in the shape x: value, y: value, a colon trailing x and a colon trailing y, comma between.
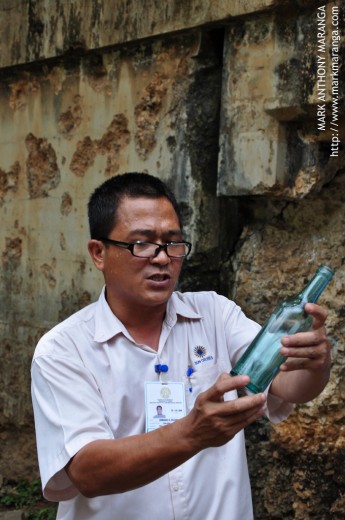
x: 202, y: 379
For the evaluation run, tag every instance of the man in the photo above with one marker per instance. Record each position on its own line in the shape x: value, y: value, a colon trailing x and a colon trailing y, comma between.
x: 159, y: 414
x: 98, y: 376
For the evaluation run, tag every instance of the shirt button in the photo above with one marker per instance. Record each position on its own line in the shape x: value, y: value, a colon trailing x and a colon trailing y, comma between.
x: 175, y: 487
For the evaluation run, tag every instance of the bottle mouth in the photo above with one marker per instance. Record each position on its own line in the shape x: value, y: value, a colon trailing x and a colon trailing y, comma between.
x: 327, y: 271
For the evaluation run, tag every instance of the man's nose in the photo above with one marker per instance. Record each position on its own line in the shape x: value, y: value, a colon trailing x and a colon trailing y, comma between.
x: 162, y: 255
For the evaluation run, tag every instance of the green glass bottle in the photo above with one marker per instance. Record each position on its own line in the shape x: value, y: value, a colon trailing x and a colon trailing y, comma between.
x: 262, y: 359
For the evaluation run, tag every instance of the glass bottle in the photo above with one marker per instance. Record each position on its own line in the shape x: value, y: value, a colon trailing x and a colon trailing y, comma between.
x: 262, y: 359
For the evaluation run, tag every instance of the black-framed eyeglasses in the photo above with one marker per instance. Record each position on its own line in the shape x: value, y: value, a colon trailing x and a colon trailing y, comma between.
x: 151, y: 249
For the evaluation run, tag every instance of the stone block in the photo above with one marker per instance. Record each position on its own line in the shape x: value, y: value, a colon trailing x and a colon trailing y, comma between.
x: 32, y: 31
x: 12, y: 515
x: 272, y: 137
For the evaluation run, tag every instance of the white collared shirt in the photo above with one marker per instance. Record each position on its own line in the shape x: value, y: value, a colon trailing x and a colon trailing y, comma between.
x: 88, y: 378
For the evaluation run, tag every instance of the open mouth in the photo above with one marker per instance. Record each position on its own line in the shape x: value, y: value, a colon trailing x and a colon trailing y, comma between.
x: 159, y: 277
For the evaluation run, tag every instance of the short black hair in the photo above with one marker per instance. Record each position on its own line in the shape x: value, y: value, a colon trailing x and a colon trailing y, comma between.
x: 105, y: 200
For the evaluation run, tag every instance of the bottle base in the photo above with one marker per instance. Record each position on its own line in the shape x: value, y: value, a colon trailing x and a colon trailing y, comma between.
x: 254, y: 389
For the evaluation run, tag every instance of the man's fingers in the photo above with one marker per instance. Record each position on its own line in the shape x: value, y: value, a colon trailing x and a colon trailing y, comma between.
x: 245, y: 416
x: 303, y: 339
x: 214, y: 421
x: 243, y: 405
x: 308, y: 350
x: 225, y: 383
x: 235, y: 409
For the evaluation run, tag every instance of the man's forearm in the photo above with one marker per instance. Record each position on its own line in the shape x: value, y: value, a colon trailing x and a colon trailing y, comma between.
x: 114, y: 466
x: 300, y: 386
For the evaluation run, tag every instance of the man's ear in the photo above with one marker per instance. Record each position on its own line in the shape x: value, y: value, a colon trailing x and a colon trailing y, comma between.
x: 96, y: 249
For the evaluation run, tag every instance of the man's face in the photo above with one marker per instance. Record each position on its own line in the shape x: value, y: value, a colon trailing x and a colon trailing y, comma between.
x: 134, y: 282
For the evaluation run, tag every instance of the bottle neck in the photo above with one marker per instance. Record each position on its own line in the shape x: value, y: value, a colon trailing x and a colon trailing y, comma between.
x: 317, y: 284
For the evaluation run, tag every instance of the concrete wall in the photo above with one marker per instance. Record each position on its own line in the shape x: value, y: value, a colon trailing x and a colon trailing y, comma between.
x: 42, y: 29
x: 219, y: 99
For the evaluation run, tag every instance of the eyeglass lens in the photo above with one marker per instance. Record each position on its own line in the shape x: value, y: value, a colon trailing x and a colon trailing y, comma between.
x: 148, y: 250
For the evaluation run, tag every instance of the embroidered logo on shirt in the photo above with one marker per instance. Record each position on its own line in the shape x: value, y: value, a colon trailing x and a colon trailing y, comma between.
x: 201, y: 352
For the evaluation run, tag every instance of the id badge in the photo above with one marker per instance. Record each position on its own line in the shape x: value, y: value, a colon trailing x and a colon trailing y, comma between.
x: 164, y: 403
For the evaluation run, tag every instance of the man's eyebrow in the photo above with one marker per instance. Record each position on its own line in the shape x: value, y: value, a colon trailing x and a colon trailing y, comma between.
x: 152, y: 233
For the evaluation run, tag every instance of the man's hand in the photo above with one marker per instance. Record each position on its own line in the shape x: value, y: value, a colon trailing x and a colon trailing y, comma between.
x: 308, y: 350
x: 305, y: 373
x: 213, y: 421
x: 107, y: 466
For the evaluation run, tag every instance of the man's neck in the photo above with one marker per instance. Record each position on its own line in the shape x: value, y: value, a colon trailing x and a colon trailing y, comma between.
x: 146, y: 335
x: 144, y: 324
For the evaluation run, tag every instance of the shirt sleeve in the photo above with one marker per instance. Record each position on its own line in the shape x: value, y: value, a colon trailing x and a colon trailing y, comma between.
x: 69, y: 413
x: 276, y: 409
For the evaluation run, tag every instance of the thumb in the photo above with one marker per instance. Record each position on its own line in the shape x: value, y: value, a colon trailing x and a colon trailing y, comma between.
x: 225, y: 383
x: 319, y: 314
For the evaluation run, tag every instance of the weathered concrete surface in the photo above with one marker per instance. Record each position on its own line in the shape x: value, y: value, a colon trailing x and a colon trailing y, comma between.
x: 69, y: 126
x: 271, y: 141
x: 42, y: 29
x: 301, y: 461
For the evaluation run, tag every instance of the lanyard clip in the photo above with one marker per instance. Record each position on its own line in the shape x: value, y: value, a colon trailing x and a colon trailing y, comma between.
x: 161, y: 368
x: 189, y: 372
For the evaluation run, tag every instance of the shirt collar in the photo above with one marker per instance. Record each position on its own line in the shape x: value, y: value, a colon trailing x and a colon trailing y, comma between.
x: 107, y: 325
x: 178, y: 307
